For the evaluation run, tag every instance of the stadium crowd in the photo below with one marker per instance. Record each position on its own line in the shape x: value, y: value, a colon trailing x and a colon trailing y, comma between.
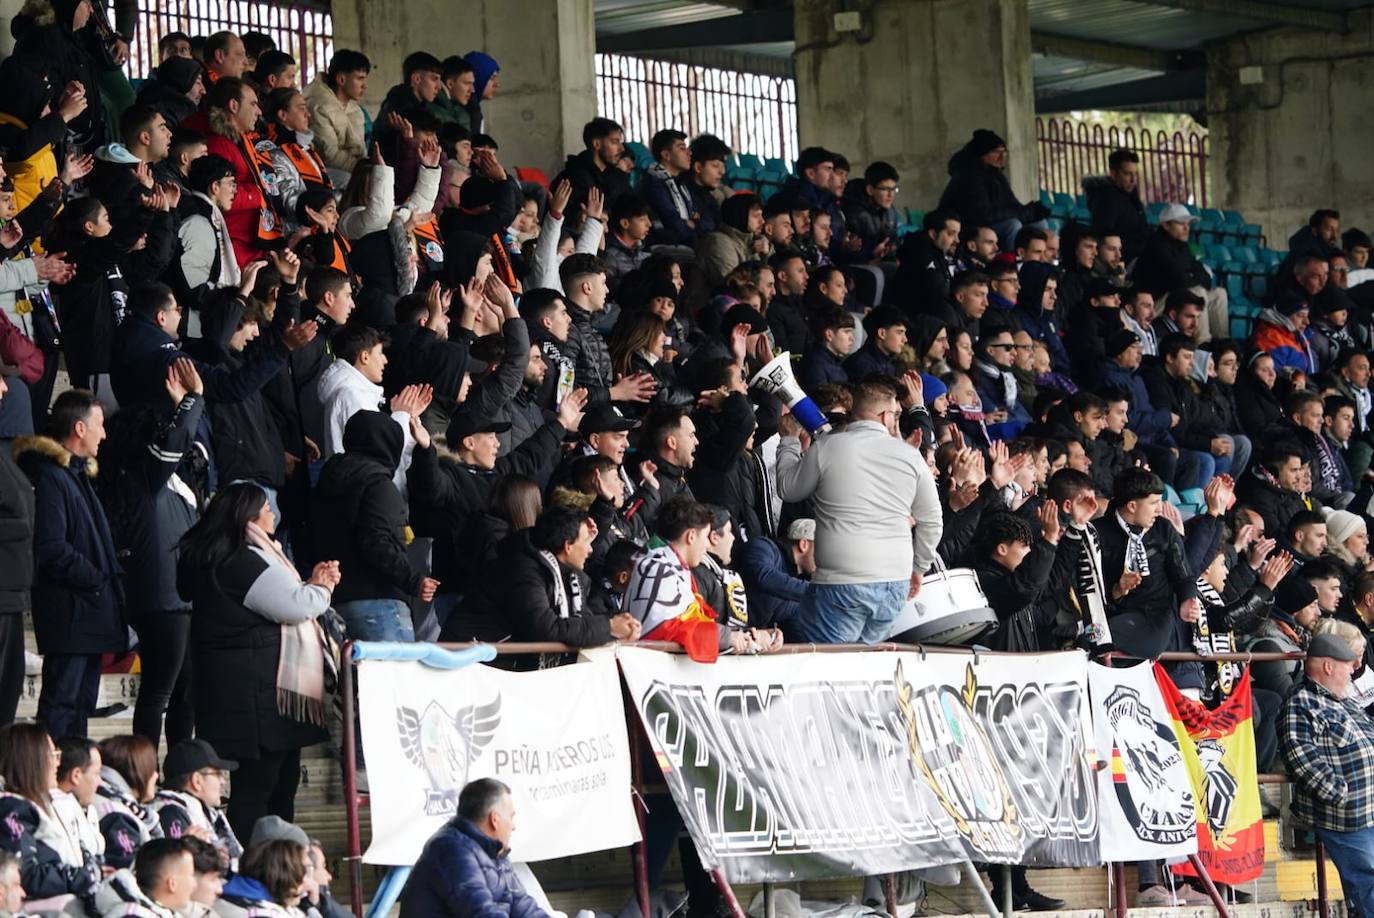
x: 329, y: 371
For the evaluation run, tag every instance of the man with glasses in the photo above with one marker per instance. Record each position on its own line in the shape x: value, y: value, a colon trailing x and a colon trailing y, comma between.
x: 194, y: 779
x: 872, y: 216
x: 878, y: 518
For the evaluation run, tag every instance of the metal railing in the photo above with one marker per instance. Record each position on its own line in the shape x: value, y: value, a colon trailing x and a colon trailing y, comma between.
x: 303, y: 30
x: 1173, y: 166
x: 751, y: 112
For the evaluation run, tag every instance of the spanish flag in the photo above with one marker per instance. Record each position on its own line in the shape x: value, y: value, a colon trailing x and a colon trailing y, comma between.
x: 1219, y: 750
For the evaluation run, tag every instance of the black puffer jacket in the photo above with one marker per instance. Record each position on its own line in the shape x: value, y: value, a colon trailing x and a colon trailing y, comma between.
x: 981, y: 194
x: 1275, y: 505
x: 921, y: 285
x: 1166, y: 264
x: 360, y: 514
x: 1117, y: 212
x: 591, y: 356
x: 581, y: 172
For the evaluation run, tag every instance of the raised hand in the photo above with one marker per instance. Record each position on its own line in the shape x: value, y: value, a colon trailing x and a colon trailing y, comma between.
x: 572, y: 408
x: 470, y: 294
x: 298, y: 336
x: 377, y: 159
x: 500, y: 296
x: 76, y: 167
x: 183, y: 379
x: 413, y: 400
x: 418, y: 432
x: 172, y: 192
x: 637, y: 387
x: 249, y: 277
x: 73, y: 101
x: 1258, y: 551
x: 429, y: 152
x: 562, y: 194
x: 326, y: 574
x: 1049, y: 522
x: 144, y: 173
x: 1275, y: 569
x: 401, y: 125
x: 11, y: 235
x: 54, y: 268
x: 288, y: 265
x: 595, y: 208
x: 914, y: 387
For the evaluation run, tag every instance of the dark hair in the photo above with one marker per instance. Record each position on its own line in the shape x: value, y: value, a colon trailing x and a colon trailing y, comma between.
x: 220, y: 41
x: 841, y: 163
x: 586, y: 468
x: 834, y: 317
x: 133, y: 757
x: 1321, y: 569
x: 483, y: 141
x: 154, y: 859
x: 713, y: 373
x: 660, y: 422
x: 1355, y: 239
x: 936, y: 219
x: 454, y: 66
x: 966, y: 279
x: 410, y: 308
x: 278, y: 865
x: 206, y: 171
x: 1301, y: 519
x: 225, y: 90
x: 1068, y: 484
x: 221, y: 531
x: 323, y: 279
x: 69, y: 229
x: 1118, y: 157
x: 183, y: 137
x: 1174, y: 342
x: 1278, y: 454
x: 277, y: 101
x: 344, y: 62
x: 168, y: 42
x: 272, y: 63
x: 205, y: 857
x: 420, y: 62
x: 999, y: 528
x: 1183, y: 297
x: 451, y: 134
x: 135, y: 120
x: 1363, y: 585
x: 627, y: 207
x: 880, y: 172
x: 479, y: 798
x: 256, y: 44
x: 1026, y: 234
x: 599, y: 129
x: 539, y: 302
x: 69, y: 407
x: 353, y: 340
x: 1299, y: 400
x: 708, y: 147
x: 811, y: 157
x: 1000, y: 269
x: 152, y: 299
x: 884, y: 317
x: 735, y: 210
x: 74, y: 752
x: 620, y: 558
x: 1136, y: 483
x: 24, y: 762
x: 517, y: 500
x: 556, y: 527
x: 1083, y: 401
x: 579, y: 265
x: 1334, y: 403
x: 1321, y: 215
x: 678, y: 516
x: 663, y: 141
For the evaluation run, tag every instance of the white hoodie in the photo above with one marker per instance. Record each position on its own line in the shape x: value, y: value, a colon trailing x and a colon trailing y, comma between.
x: 344, y: 391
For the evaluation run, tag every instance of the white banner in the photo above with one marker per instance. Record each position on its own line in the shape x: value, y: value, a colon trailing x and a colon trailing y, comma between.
x: 832, y: 764
x: 556, y: 737
x: 1148, y: 812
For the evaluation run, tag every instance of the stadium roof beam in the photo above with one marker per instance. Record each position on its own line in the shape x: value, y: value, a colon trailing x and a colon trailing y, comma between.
x: 751, y: 28
x: 1171, y: 87
x: 1106, y: 52
x: 1272, y: 13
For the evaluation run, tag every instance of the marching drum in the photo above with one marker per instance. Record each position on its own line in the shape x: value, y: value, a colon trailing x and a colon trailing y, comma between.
x: 950, y: 609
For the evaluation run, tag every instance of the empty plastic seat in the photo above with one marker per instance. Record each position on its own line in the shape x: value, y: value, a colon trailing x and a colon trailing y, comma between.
x: 1257, y: 286
x: 1218, y: 252
x: 1082, y: 215
x: 751, y: 161
x: 774, y: 164
x: 1063, y: 204
x: 1046, y: 198
x: 1245, y: 253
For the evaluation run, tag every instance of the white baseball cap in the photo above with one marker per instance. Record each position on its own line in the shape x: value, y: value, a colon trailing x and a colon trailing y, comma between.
x: 1177, y: 213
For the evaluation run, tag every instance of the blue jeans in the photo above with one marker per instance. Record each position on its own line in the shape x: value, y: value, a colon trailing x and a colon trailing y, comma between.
x: 1353, y: 855
x: 849, y: 613
x: 378, y: 620
x: 1195, y: 469
x: 1235, y: 462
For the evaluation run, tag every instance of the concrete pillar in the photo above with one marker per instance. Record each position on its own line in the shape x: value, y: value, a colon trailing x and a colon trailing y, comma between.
x: 545, y: 47
x: 912, y: 85
x: 1290, y: 127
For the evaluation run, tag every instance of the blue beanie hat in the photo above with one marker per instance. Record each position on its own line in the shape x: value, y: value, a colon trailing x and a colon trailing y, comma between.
x: 932, y: 388
x: 484, y: 66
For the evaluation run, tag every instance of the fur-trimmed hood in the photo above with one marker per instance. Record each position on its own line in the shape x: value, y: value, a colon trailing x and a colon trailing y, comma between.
x: 29, y: 451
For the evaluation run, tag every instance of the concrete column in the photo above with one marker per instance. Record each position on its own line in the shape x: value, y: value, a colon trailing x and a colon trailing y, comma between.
x: 1290, y: 126
x: 912, y: 85
x: 545, y: 48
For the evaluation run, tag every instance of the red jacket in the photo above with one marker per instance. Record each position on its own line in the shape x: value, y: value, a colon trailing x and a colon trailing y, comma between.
x: 244, y: 217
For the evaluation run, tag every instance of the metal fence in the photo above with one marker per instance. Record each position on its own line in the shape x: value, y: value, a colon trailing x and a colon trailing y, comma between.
x: 1173, y: 166
x: 303, y: 30
x: 752, y: 113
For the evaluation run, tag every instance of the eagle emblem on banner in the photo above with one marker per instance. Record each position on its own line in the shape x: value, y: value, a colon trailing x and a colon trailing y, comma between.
x: 444, y: 746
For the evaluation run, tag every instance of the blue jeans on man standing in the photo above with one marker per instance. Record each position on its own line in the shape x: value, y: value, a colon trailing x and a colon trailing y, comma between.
x: 378, y: 620
x: 1353, y: 855
x: 849, y: 613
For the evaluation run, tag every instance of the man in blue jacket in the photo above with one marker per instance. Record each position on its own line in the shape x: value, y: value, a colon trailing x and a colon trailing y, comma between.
x: 1151, y: 425
x: 465, y: 868
x: 776, y: 573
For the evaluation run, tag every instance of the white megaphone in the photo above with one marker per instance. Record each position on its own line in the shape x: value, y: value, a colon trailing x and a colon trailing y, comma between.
x: 777, y: 378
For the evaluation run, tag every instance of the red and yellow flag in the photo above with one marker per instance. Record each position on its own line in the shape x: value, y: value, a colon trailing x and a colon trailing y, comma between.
x: 1219, y: 750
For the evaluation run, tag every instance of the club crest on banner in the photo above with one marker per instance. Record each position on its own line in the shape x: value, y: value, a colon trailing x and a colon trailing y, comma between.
x: 1144, y: 752
x: 1222, y: 786
x: 953, y: 755
x: 444, y: 746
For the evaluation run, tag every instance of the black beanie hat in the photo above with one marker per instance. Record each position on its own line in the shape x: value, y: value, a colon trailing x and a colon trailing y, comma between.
x: 982, y: 142
x: 180, y: 73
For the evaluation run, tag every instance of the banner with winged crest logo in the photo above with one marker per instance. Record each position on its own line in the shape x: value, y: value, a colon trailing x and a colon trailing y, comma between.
x: 556, y: 737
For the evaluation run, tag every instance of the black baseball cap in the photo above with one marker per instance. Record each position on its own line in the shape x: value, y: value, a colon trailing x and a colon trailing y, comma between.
x: 1100, y: 287
x: 604, y: 418
x: 468, y: 424
x: 190, y: 756
x: 743, y: 314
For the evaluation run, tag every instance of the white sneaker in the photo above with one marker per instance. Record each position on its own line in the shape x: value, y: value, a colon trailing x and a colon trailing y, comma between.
x: 33, y: 664
x: 1155, y: 897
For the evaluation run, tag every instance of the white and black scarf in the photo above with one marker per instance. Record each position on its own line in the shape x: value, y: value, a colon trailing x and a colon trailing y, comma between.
x: 1137, y: 557
x: 1209, y: 642
x: 1089, y: 590
x: 1004, y: 377
x: 567, y: 597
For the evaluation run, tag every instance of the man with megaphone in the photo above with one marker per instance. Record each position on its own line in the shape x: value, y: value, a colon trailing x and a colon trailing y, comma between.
x: 877, y: 512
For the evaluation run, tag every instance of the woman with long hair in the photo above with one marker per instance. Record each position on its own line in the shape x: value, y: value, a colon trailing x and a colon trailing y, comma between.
x: 638, y: 345
x: 516, y: 502
x: 128, y: 782
x: 929, y: 342
x: 960, y: 354
x: 258, y: 650
x: 271, y: 880
x: 51, y: 860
